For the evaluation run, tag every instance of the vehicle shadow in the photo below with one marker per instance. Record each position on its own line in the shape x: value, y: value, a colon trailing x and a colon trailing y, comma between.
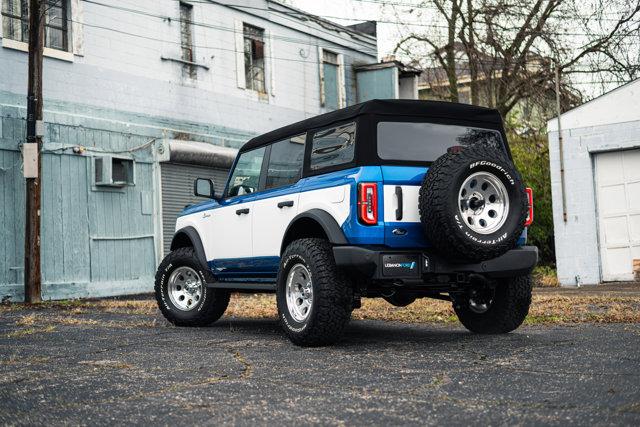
x: 372, y: 332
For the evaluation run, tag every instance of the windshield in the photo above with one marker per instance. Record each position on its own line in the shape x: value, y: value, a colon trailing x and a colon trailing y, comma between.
x: 425, y: 142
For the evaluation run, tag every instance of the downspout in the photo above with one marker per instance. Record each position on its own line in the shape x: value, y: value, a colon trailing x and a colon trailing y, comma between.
x: 560, y: 146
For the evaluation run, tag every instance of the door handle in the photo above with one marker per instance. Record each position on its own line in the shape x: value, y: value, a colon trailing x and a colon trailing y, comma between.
x: 242, y: 211
x: 286, y: 204
x: 399, y: 209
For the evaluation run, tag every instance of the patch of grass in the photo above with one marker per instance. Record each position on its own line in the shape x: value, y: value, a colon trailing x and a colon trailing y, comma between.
x: 27, y: 320
x: 24, y: 360
x: 545, y: 276
x: 545, y: 309
x: 30, y: 331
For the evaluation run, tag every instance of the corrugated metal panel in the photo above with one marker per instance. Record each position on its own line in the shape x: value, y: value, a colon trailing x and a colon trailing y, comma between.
x: 177, y: 192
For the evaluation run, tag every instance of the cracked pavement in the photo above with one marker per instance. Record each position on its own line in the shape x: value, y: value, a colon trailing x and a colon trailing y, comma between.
x: 119, y: 368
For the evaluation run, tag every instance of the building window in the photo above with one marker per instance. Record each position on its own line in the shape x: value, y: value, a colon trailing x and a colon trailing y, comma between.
x: 15, y: 22
x: 254, y: 58
x: 186, y: 40
x: 331, y: 80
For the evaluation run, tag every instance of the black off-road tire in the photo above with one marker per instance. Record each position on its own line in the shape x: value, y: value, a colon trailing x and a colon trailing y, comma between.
x: 331, y: 304
x: 211, y: 305
x: 508, y: 310
x: 439, y: 211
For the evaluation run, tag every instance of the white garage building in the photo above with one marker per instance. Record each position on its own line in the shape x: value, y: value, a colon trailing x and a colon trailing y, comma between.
x: 597, y: 231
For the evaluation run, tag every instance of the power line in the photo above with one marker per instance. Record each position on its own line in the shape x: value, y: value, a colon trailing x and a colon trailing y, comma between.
x: 426, y: 6
x: 219, y: 27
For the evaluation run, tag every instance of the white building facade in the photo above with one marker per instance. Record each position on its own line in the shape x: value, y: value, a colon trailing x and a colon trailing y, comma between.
x: 600, y: 239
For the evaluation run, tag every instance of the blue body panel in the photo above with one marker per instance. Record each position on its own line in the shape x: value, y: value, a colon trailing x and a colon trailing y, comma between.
x: 261, y: 269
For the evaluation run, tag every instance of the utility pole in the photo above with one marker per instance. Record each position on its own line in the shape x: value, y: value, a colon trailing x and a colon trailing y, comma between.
x: 31, y: 155
x: 560, y: 144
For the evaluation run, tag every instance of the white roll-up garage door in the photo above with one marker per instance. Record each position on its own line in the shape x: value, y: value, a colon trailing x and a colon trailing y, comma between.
x: 618, y: 196
x: 177, y: 192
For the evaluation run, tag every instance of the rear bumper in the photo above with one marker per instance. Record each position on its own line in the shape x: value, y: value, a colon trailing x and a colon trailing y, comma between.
x: 385, y: 264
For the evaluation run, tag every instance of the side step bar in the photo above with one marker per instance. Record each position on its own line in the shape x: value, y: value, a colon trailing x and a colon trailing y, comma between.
x: 244, y: 286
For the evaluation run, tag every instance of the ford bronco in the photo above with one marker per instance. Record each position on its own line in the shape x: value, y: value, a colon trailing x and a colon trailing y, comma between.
x: 397, y: 199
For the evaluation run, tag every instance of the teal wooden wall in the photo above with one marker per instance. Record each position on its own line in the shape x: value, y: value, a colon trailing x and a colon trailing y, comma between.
x: 95, y: 241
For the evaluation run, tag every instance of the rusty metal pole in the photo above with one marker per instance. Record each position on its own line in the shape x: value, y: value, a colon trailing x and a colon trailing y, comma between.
x: 560, y: 144
x: 32, y: 266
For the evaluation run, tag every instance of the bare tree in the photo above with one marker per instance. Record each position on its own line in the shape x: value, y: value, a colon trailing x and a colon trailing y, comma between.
x: 506, y: 50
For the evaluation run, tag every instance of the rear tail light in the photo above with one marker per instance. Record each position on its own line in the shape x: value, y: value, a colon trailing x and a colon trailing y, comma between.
x: 368, y: 203
x: 529, y: 220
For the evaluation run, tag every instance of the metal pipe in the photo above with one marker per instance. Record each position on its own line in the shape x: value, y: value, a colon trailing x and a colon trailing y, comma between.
x: 560, y: 145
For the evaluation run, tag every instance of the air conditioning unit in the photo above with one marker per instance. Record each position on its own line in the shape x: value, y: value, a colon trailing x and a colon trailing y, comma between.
x: 112, y: 171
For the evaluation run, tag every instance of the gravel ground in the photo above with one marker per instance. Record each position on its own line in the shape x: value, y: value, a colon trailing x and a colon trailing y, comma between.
x: 60, y: 366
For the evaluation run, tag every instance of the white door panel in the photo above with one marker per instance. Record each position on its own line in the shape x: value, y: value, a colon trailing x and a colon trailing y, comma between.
x: 618, y: 197
x: 334, y: 200
x: 410, y: 212
x: 270, y: 223
x: 226, y: 234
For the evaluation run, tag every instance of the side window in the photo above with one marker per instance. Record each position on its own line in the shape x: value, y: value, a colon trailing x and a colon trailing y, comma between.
x: 334, y: 146
x: 285, y: 162
x: 246, y: 175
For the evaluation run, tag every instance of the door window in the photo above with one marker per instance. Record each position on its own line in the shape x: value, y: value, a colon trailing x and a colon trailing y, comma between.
x: 285, y: 162
x: 332, y: 147
x: 246, y: 175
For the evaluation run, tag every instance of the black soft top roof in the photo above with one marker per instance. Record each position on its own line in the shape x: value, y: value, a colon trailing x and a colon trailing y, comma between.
x: 383, y: 107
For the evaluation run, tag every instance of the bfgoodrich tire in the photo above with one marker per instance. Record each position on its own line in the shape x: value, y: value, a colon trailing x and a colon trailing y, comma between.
x: 181, y: 291
x: 314, y: 298
x: 472, y: 204
x: 502, y: 311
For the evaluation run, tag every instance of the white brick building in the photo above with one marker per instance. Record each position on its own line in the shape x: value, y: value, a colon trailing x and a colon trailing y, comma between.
x: 139, y: 98
x: 600, y: 239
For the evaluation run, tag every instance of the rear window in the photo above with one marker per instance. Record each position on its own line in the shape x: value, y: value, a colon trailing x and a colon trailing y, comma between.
x: 332, y: 147
x: 425, y: 142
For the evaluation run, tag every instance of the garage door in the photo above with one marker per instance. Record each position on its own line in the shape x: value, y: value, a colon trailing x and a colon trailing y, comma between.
x: 177, y: 192
x: 618, y: 194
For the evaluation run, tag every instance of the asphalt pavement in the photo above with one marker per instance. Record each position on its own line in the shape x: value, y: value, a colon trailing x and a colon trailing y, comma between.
x: 130, y: 369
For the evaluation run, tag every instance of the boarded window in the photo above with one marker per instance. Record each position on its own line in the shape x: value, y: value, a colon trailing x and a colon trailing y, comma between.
x: 186, y: 40
x: 285, y: 162
x: 332, y: 147
x: 254, y: 52
x: 15, y: 22
x: 331, y: 77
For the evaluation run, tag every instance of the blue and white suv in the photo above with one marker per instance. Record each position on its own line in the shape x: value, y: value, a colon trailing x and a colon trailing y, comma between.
x: 389, y: 198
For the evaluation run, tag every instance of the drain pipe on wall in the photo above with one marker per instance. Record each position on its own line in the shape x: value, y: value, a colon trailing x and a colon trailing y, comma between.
x: 560, y: 144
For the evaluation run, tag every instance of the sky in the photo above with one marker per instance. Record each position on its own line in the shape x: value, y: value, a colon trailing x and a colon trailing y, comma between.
x: 354, y: 11
x: 390, y: 32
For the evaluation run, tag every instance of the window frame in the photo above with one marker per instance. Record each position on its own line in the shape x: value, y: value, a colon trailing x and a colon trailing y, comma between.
x: 340, y: 81
x: 249, y: 83
x: 307, y: 171
x: 65, y: 28
x: 187, y: 42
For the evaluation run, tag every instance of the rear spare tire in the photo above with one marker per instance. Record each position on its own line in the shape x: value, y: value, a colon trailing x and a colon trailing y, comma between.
x: 472, y: 204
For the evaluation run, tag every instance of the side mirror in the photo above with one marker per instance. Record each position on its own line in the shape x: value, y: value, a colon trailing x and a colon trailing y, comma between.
x: 203, y: 187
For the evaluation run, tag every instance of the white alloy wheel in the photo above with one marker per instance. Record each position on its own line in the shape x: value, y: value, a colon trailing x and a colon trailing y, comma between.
x: 483, y: 202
